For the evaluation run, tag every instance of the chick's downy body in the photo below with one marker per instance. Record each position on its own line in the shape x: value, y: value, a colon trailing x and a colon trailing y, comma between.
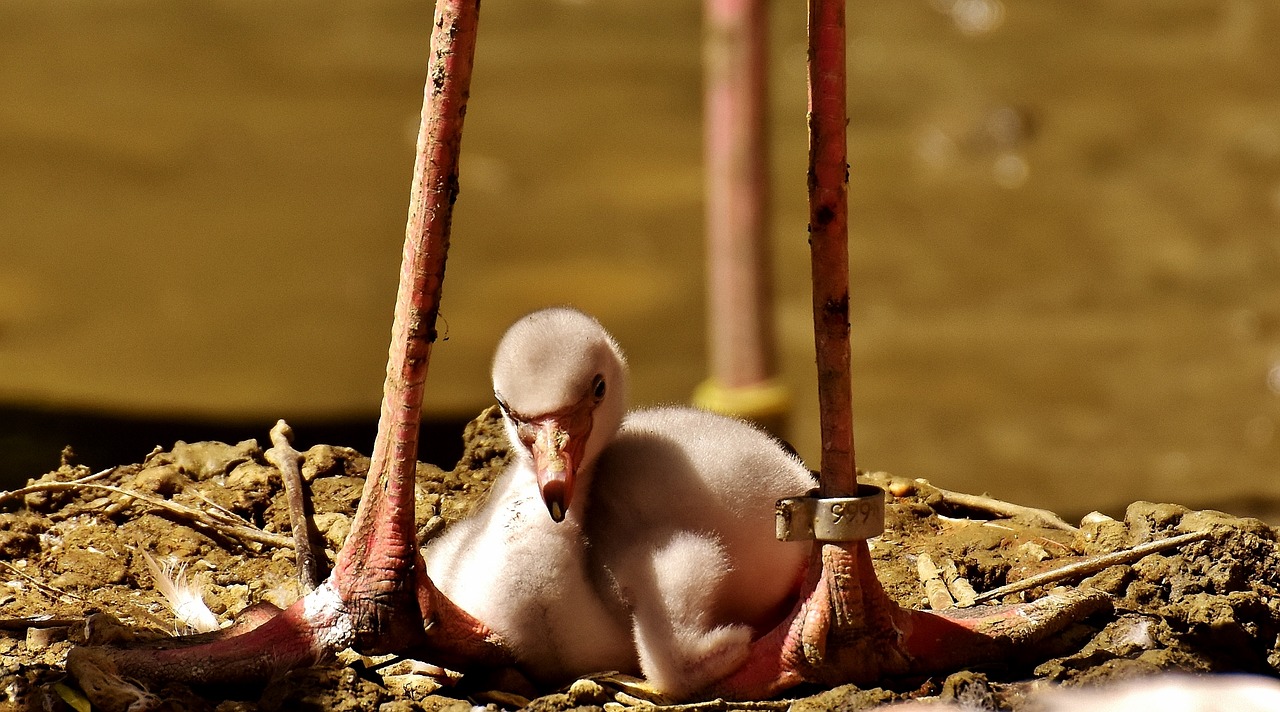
x: 663, y: 560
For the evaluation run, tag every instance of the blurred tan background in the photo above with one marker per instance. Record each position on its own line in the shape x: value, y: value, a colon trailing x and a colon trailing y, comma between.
x: 1065, y: 225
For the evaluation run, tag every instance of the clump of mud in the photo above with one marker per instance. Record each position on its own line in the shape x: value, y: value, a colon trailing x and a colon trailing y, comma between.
x: 69, y: 551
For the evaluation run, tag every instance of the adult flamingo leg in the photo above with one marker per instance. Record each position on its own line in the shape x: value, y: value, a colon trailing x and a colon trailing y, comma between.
x: 377, y: 597
x: 845, y: 629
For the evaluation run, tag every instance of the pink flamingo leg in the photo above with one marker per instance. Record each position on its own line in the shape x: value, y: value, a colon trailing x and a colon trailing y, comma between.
x: 378, y: 597
x: 845, y: 629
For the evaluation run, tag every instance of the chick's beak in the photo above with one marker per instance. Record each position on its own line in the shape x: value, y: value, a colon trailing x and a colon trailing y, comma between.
x: 557, y: 453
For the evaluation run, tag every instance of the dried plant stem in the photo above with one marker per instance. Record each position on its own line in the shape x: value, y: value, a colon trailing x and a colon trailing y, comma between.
x: 935, y: 589
x: 285, y: 458
x: 1092, y: 565
x: 40, y: 585
x: 39, y: 622
x: 219, y: 523
x: 990, y: 505
x: 39, y: 486
x: 958, y: 586
x: 230, y: 515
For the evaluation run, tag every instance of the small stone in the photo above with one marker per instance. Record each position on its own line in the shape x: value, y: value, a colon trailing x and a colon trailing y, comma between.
x: 88, y: 568
x: 414, y: 687
x: 40, y: 638
x: 252, y: 484
x: 334, y: 527
x: 409, y: 666
x: 900, y: 487
x: 1030, y: 551
x: 1095, y: 518
x: 347, y: 656
x: 163, y: 480
x: 1210, y: 520
x: 433, y: 528
x: 438, y: 703
x: 1102, y: 537
x: 1148, y: 520
x: 587, y: 692
x: 970, y: 689
x: 1111, y: 580
x: 203, y: 460
x: 332, y: 461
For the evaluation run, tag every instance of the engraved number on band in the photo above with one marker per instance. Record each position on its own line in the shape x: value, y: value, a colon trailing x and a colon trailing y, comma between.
x: 861, y: 514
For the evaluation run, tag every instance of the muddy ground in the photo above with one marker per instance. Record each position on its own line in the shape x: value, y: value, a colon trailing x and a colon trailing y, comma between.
x: 1211, y: 605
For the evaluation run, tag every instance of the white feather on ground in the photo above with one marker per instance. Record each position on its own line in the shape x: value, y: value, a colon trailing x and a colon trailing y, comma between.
x: 183, y: 597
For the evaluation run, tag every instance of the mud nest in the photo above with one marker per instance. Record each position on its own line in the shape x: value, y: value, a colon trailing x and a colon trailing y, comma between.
x: 72, y: 549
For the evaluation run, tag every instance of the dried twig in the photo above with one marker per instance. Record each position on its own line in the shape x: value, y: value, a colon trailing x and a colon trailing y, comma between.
x: 1092, y: 565
x: 99, y: 474
x: 991, y: 505
x: 957, y: 585
x: 218, y: 523
x: 934, y: 587
x: 40, y: 585
x: 230, y: 515
x: 28, y: 622
x: 285, y: 458
x: 39, y: 486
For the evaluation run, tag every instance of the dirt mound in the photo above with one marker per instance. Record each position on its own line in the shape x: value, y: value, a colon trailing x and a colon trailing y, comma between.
x: 72, y: 544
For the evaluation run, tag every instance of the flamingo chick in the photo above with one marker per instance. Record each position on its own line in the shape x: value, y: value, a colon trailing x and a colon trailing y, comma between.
x: 638, y: 541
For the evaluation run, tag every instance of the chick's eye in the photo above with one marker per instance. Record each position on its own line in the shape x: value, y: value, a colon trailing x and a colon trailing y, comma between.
x: 597, y: 387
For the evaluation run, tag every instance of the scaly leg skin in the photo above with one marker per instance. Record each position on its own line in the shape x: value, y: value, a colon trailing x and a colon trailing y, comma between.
x: 453, y: 636
x: 300, y: 635
x: 306, y: 633
x: 845, y: 629
x: 374, y: 598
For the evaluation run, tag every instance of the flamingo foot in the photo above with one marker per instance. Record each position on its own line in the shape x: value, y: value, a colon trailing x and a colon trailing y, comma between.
x: 845, y: 629
x: 261, y: 646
